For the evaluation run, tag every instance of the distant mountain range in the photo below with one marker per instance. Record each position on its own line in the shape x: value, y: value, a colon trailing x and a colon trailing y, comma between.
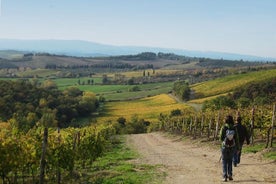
x: 90, y: 49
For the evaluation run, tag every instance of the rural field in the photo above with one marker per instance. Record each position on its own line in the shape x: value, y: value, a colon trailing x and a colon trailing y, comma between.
x: 148, y: 108
x: 152, y: 99
x: 114, y: 112
x: 137, y: 92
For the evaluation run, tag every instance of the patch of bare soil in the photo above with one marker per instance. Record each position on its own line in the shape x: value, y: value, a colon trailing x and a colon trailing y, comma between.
x: 191, y: 163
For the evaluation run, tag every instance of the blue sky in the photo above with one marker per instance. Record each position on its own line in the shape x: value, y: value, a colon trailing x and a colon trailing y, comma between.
x: 234, y: 26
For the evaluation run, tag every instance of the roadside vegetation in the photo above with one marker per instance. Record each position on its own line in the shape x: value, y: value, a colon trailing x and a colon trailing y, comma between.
x: 91, y: 102
x: 118, y: 166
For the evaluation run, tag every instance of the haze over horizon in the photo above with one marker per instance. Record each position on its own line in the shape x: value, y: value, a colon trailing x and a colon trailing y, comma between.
x: 242, y: 27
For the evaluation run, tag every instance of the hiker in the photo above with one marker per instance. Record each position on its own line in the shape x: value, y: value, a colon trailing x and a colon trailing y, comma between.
x: 230, y: 143
x: 242, y: 135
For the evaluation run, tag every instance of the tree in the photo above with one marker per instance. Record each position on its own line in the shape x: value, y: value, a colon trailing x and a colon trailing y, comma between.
x: 49, y: 85
x: 121, y: 121
x: 105, y: 79
x: 137, y: 125
x: 218, y: 103
x: 72, y: 92
x: 176, y: 112
x: 130, y: 81
x: 88, y: 103
x: 182, y: 90
x: 134, y: 88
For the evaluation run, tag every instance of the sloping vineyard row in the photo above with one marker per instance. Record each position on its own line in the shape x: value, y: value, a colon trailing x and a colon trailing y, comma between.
x: 260, y: 122
x: 67, y: 151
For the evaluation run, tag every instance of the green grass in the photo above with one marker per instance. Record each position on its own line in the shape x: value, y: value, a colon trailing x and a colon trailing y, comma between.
x: 253, y: 148
x: 260, y: 147
x: 116, y: 166
x: 270, y: 155
x: 63, y: 83
x: 118, y: 92
x: 137, y: 94
x: 112, y: 92
x: 104, y: 89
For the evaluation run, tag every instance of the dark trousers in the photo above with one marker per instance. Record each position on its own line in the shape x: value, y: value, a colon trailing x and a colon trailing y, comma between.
x: 227, y: 157
x: 237, y: 156
x: 227, y: 167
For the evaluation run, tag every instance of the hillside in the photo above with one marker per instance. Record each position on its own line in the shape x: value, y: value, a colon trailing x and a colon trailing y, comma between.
x: 13, y: 59
x: 11, y: 54
x: 88, y: 49
x: 230, y: 82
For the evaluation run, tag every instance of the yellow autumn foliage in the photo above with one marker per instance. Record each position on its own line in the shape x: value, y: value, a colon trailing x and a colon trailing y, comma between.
x: 146, y: 108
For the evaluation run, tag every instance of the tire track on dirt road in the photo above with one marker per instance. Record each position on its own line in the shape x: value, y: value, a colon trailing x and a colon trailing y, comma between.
x: 187, y: 162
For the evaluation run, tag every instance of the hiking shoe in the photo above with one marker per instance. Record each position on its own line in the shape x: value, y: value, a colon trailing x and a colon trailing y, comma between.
x: 230, y: 178
x: 235, y: 164
x: 224, y: 179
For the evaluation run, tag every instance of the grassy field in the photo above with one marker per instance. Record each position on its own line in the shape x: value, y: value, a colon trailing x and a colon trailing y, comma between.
x: 229, y: 83
x: 202, y: 100
x: 118, y: 92
x: 63, y: 83
x: 147, y: 108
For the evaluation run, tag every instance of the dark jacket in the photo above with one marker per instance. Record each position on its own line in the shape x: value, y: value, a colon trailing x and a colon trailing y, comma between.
x: 229, y: 127
x: 242, y: 134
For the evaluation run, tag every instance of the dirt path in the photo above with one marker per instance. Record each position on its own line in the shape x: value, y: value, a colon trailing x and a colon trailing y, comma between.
x: 191, y: 163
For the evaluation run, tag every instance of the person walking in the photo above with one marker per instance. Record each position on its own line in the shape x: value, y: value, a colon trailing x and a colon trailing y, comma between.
x: 242, y: 135
x: 230, y: 143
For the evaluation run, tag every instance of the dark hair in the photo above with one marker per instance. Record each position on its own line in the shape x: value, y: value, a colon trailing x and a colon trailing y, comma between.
x: 239, y: 119
x: 229, y: 120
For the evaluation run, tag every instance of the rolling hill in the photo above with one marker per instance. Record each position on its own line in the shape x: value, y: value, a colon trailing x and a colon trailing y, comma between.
x: 229, y: 83
x: 13, y: 59
x: 88, y: 49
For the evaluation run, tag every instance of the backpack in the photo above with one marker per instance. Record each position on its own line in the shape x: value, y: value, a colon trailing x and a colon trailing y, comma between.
x: 229, y: 140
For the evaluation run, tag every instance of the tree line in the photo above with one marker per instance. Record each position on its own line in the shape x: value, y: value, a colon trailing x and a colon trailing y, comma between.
x: 24, y: 102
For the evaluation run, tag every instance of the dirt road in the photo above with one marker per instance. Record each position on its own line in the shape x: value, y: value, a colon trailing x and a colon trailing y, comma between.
x: 194, y: 163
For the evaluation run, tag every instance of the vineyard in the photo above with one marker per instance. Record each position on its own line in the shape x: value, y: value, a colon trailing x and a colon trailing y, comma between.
x: 229, y: 83
x: 50, y: 155
x: 260, y: 121
x: 32, y: 151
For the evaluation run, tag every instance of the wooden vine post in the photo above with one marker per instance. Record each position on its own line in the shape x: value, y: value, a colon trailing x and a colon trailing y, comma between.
x: 272, y: 125
x: 209, y: 128
x: 252, y: 126
x: 191, y: 126
x: 58, y: 166
x: 217, y: 127
x: 183, y: 126
x: 43, y: 156
x: 195, y: 127
x: 202, y: 125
